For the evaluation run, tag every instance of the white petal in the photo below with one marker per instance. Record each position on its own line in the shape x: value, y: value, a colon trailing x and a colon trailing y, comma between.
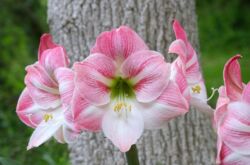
x: 59, y: 135
x: 43, y: 132
x: 123, y: 130
x: 157, y: 115
x: 202, y: 106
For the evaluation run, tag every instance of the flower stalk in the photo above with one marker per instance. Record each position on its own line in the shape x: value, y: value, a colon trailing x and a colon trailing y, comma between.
x: 132, y: 156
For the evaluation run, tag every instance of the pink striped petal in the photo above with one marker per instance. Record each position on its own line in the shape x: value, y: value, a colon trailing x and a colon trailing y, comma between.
x: 119, y: 43
x: 222, y: 99
x: 228, y: 157
x: 178, y: 47
x: 220, y: 154
x: 221, y: 107
x: 246, y: 93
x: 148, y: 72
x: 178, y: 76
x: 232, y: 78
x: 46, y: 42
x: 92, y: 78
x: 85, y: 115
x: 28, y: 112
x: 65, y: 79
x: 69, y: 134
x: 179, y: 31
x: 191, y: 62
x: 219, y: 116
x: 181, y: 34
x: 235, y: 130
x: 193, y: 72
x: 43, y: 132
x: 52, y: 59
x: 169, y: 105
x: 123, y: 131
x: 42, y: 89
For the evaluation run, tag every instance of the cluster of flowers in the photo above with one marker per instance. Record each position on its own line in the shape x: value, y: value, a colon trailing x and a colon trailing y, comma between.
x: 123, y: 88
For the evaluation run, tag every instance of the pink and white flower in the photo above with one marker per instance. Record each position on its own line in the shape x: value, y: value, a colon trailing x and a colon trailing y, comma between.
x: 123, y: 87
x: 187, y: 63
x: 231, y: 118
x: 45, y: 102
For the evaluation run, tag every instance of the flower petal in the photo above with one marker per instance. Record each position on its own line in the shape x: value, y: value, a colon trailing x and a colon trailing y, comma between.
x: 42, y: 89
x: 148, y: 72
x: 202, y: 106
x: 246, y: 93
x: 52, y: 59
x: 179, y: 31
x: 43, y: 132
x: 165, y: 108
x: 178, y: 47
x: 235, y: 130
x: 191, y: 62
x: 85, y: 115
x: 69, y: 134
x: 221, y: 107
x: 59, y: 135
x: 229, y: 157
x: 65, y: 79
x: 119, y: 43
x: 123, y: 131
x: 28, y: 112
x: 46, y: 42
x: 93, y: 75
x: 178, y: 76
x: 232, y: 78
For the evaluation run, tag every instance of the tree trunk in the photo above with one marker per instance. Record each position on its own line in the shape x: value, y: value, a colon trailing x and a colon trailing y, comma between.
x: 187, y: 140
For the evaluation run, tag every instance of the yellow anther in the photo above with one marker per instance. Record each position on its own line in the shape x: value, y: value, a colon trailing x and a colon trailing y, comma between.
x: 47, y: 117
x: 121, y: 105
x: 196, y: 89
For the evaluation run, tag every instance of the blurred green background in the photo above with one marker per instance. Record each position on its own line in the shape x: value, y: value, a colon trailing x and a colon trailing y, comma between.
x: 224, y: 30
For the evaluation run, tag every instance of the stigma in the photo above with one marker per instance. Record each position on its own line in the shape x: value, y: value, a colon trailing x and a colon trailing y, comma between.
x: 196, y: 89
x: 47, y: 117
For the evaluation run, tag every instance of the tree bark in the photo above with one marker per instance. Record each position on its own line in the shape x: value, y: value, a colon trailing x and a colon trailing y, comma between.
x: 187, y: 140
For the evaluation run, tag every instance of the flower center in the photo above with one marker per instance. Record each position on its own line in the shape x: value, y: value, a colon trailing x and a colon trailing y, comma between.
x: 47, y: 117
x: 121, y: 92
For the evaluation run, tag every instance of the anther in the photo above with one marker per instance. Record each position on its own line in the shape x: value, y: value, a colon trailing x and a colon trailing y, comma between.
x: 196, y: 89
x: 47, y: 117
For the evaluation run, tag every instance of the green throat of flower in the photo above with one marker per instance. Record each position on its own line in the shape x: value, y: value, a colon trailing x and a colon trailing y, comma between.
x: 121, y: 92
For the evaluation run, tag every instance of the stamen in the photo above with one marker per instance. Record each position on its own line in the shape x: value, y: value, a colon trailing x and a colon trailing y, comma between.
x: 122, y: 105
x: 214, y: 90
x: 47, y: 117
x: 196, y: 89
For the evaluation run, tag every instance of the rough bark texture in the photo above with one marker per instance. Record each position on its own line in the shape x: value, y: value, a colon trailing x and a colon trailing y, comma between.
x: 188, y: 140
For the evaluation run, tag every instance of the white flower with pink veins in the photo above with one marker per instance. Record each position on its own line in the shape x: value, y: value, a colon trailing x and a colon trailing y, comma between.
x: 123, y: 88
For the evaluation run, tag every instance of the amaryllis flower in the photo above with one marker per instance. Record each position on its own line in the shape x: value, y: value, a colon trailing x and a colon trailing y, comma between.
x: 187, y: 60
x: 232, y: 117
x: 123, y: 87
x: 44, y: 103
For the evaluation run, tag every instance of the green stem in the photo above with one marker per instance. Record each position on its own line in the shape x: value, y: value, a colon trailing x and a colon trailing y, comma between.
x: 132, y: 156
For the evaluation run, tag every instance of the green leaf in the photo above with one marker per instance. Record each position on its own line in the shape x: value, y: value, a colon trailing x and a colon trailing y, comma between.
x: 7, y: 161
